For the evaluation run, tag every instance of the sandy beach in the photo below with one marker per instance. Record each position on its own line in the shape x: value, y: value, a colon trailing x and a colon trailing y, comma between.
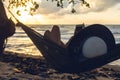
x: 16, y: 67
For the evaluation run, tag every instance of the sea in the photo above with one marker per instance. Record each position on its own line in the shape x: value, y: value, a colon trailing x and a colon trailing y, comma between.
x: 21, y: 44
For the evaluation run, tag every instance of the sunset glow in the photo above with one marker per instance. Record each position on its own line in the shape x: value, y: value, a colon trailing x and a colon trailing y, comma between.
x: 102, y: 11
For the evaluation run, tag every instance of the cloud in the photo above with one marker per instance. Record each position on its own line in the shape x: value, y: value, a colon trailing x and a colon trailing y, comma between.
x: 102, y: 5
x: 49, y: 7
x: 95, y: 6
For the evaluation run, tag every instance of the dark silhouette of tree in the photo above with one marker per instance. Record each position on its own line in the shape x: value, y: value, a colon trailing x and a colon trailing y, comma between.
x: 7, y: 28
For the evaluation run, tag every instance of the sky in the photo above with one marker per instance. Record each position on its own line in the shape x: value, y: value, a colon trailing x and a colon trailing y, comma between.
x: 100, y: 11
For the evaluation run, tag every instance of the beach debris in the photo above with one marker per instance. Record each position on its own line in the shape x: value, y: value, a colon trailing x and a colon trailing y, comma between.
x: 16, y: 70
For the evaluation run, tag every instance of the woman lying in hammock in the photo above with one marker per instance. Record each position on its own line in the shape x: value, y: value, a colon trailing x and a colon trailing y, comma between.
x: 92, y: 47
x: 54, y: 34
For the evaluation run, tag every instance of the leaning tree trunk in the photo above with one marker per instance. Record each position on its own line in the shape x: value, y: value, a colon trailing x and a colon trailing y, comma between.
x: 3, y: 19
x: 3, y: 16
x: 7, y: 28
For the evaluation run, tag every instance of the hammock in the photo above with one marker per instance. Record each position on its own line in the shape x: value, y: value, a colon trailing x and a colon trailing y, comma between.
x: 53, y: 53
x: 65, y: 59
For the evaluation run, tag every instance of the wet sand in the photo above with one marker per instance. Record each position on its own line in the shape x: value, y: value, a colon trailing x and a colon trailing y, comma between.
x: 22, y: 67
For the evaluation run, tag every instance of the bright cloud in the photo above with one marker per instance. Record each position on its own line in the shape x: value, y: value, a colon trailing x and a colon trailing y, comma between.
x: 100, y: 11
x: 48, y: 7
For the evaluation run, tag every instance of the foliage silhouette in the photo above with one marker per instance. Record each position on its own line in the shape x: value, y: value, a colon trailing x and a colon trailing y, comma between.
x: 34, y: 5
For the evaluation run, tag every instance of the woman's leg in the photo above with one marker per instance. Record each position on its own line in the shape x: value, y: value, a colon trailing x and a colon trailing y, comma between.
x: 54, y: 35
x: 78, y: 28
x: 47, y: 34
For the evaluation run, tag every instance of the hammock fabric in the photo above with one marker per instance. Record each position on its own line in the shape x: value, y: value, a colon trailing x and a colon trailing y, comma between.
x: 65, y: 59
x: 53, y: 53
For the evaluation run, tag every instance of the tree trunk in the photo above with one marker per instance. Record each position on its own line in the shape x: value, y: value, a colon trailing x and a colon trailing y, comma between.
x: 7, y: 28
x: 3, y: 16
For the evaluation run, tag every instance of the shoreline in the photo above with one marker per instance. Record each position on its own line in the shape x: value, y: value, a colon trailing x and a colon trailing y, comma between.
x: 16, y: 67
x: 23, y: 55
